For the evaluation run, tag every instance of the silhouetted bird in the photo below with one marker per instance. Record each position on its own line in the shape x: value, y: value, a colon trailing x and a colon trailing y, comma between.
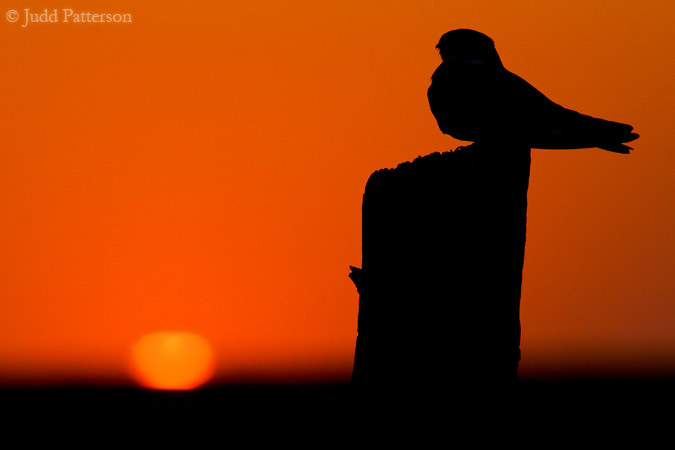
x: 474, y: 98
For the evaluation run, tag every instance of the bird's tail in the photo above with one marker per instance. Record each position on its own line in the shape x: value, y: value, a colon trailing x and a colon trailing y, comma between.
x: 615, y: 135
x: 617, y: 148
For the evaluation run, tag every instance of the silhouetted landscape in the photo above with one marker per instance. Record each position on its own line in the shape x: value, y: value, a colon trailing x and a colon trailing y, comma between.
x: 270, y: 413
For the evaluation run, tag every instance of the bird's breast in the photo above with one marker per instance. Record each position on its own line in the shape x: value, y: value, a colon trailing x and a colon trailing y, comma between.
x: 461, y: 107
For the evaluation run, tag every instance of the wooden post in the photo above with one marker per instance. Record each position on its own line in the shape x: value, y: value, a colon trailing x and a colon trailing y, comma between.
x: 443, y: 248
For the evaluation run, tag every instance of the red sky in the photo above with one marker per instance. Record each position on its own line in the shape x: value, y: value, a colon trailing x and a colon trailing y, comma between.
x: 201, y: 169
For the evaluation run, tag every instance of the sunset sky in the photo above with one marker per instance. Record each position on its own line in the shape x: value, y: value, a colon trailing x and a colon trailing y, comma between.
x: 201, y: 169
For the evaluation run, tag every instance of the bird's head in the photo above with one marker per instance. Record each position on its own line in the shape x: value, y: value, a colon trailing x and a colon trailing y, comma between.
x: 469, y: 48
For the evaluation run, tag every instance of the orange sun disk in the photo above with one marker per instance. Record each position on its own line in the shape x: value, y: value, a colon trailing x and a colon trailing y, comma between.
x: 171, y: 360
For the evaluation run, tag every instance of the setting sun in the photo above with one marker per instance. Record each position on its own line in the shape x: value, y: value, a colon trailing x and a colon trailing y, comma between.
x: 171, y: 360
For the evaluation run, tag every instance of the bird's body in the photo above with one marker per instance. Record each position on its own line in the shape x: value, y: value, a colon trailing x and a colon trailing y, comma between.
x: 474, y: 98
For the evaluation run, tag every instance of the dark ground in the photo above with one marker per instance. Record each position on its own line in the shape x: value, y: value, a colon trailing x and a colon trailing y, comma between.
x: 561, y: 410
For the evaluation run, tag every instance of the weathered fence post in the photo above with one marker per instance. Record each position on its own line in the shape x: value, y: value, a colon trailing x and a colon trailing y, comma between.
x: 440, y: 283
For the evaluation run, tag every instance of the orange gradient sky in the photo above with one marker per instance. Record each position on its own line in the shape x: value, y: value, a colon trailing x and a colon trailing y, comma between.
x: 201, y: 170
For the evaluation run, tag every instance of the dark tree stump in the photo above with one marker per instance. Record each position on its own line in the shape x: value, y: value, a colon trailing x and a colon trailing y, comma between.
x: 443, y: 248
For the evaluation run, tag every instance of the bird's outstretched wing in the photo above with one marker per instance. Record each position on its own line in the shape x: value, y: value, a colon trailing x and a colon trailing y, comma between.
x: 528, y: 115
